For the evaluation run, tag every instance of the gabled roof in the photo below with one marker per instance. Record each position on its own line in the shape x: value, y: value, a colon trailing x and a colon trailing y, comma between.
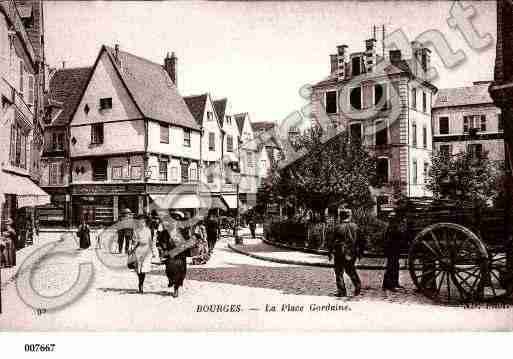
x: 152, y: 90
x: 463, y: 96
x: 196, y: 105
x: 239, y: 119
x: 66, y: 88
x: 220, y: 107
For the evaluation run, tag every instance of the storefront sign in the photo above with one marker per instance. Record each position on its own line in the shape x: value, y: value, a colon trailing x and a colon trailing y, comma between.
x: 108, y: 189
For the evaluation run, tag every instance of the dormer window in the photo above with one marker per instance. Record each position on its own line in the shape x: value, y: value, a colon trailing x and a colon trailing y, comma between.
x: 105, y: 103
x: 209, y: 116
x: 229, y: 120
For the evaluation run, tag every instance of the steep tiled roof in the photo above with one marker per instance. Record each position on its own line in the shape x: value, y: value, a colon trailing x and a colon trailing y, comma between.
x: 152, y: 90
x: 220, y: 107
x: 196, y: 105
x: 462, y: 96
x: 239, y: 119
x: 66, y: 87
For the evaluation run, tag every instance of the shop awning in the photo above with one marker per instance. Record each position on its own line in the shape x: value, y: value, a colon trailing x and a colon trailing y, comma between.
x: 28, y: 194
x: 176, y: 201
x: 231, y: 200
x: 214, y: 202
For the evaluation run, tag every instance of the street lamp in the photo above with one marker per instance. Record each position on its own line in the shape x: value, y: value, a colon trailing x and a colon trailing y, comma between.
x: 236, y: 178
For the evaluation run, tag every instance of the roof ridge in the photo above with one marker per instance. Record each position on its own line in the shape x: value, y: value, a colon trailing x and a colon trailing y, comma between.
x: 73, y: 69
x: 136, y: 56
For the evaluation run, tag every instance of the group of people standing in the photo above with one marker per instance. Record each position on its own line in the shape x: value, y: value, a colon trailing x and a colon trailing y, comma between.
x: 171, y: 241
x: 346, y: 245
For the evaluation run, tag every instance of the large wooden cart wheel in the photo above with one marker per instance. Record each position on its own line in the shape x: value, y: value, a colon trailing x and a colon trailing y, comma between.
x: 449, y: 263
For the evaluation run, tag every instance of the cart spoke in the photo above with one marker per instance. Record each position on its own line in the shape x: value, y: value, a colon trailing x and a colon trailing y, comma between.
x: 430, y: 248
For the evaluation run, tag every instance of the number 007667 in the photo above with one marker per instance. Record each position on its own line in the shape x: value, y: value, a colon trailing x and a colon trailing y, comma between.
x: 39, y: 347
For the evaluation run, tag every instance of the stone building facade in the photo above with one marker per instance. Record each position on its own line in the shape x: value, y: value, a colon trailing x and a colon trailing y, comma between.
x: 466, y: 119
x: 385, y: 102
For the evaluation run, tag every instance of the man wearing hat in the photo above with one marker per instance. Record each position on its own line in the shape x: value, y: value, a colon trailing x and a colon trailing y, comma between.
x: 10, y: 239
x: 342, y: 243
x: 393, y: 240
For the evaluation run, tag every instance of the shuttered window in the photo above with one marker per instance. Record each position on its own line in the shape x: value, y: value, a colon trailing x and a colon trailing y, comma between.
x: 164, y: 133
x: 211, y: 141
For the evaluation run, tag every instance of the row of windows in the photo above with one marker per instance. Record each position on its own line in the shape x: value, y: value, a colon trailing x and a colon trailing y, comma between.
x: 470, y: 122
x: 355, y: 99
x: 414, y: 135
x: 99, y: 169
x: 414, y: 104
x: 476, y: 149
x: 382, y: 170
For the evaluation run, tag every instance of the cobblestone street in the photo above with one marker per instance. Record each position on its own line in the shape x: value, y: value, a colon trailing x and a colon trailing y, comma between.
x: 112, y: 303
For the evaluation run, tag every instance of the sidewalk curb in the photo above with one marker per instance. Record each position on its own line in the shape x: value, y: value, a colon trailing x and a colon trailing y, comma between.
x: 301, y: 263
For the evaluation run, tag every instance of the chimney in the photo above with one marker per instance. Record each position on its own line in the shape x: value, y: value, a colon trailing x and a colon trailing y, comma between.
x: 170, y: 64
x: 341, y: 59
x: 425, y: 58
x: 116, y: 55
x: 333, y: 62
x: 370, y: 54
x: 395, y: 56
x: 416, y: 49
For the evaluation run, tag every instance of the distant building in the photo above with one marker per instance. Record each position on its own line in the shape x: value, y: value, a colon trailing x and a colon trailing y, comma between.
x: 65, y: 90
x: 211, y: 151
x: 248, y: 154
x: 466, y: 119
x: 271, y: 144
x: 231, y: 148
x: 385, y: 103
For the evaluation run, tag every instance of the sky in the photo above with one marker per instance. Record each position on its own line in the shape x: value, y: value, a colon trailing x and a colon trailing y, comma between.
x: 258, y: 54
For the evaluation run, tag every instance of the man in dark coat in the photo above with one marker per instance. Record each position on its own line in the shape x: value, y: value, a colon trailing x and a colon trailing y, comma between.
x: 212, y: 231
x: 252, y: 227
x: 393, y: 241
x: 342, y: 244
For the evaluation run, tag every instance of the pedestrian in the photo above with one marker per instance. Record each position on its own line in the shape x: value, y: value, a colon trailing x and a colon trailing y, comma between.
x: 252, y: 227
x: 200, y: 253
x: 125, y: 233
x: 143, y: 248
x: 212, y: 232
x: 84, y: 234
x: 10, y: 242
x: 169, y: 240
x: 393, y: 240
x: 342, y: 244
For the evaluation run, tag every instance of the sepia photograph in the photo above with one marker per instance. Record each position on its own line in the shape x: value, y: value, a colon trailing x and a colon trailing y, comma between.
x: 255, y: 166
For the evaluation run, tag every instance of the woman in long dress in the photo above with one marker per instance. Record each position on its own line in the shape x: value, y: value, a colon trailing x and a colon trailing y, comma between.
x: 176, y: 266
x: 84, y: 236
x: 201, y: 254
x: 143, y: 248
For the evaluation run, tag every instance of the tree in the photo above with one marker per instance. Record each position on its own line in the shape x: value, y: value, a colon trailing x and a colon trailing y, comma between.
x: 332, y: 172
x: 463, y: 177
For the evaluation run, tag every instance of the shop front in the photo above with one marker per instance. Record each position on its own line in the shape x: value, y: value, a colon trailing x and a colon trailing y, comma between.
x: 19, y: 197
x: 101, y: 204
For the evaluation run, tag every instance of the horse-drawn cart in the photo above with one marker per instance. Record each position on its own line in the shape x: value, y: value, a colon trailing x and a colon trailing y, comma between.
x: 458, y: 253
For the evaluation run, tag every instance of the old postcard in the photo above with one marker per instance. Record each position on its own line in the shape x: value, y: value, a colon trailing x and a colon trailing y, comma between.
x: 255, y: 166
